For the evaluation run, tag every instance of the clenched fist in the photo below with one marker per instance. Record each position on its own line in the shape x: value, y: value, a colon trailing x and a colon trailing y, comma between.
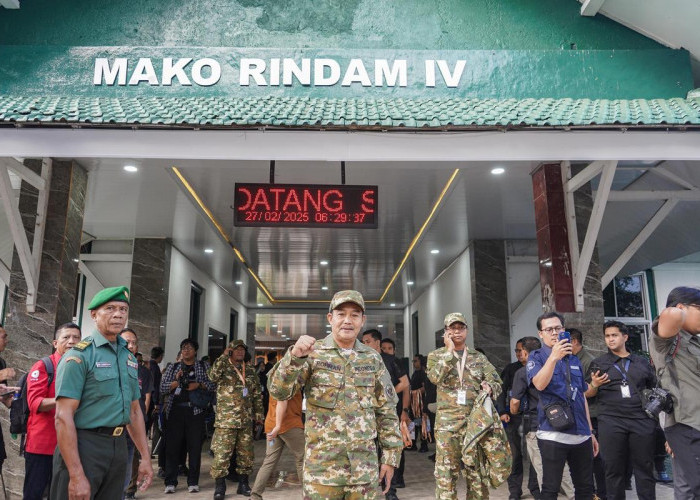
x: 304, y: 346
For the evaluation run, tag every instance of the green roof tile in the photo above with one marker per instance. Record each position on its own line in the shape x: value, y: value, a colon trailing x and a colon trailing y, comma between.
x: 306, y: 112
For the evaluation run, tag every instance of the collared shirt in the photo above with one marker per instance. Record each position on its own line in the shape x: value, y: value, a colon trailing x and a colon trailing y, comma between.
x: 557, y: 390
x: 503, y: 401
x: 528, y: 396
x: 200, y: 375
x: 639, y: 376
x: 292, y: 418
x: 41, y: 430
x: 103, y: 377
x: 686, y: 395
x: 349, y: 404
x: 395, y: 372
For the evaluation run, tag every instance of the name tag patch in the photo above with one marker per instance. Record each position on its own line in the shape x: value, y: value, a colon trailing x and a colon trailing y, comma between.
x: 328, y: 366
x: 103, y: 364
x: 132, y: 364
x: 364, y: 369
x: 574, y: 367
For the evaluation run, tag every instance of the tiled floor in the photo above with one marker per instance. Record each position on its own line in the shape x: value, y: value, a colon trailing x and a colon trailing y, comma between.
x: 418, y: 477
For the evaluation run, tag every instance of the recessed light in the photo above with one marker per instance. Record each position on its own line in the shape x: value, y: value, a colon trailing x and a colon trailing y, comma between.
x: 131, y: 168
x: 324, y: 262
x: 392, y: 305
x: 208, y: 250
x: 328, y: 326
x: 380, y: 326
x: 409, y: 283
x: 239, y: 282
x: 280, y: 331
x: 498, y: 170
x: 274, y: 326
x: 260, y: 305
x: 76, y: 260
x: 324, y: 288
x: 434, y: 251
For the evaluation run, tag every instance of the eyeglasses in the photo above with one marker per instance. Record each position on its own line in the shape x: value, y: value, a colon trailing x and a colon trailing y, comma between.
x: 553, y: 329
x: 518, y: 350
x: 457, y: 328
x: 187, y: 348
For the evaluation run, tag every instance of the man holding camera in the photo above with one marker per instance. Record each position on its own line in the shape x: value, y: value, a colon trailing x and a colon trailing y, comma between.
x: 238, y: 404
x: 564, y: 426
x: 619, y: 378
x: 675, y: 351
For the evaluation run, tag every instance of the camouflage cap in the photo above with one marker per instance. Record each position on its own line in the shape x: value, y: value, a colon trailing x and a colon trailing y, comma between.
x: 347, y: 296
x: 115, y: 293
x: 237, y: 343
x: 454, y: 318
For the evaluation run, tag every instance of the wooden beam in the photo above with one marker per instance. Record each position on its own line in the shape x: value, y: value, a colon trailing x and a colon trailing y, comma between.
x: 591, y: 7
x: 106, y: 257
x: 82, y: 266
x: 584, y: 176
x: 41, y: 213
x: 25, y: 173
x: 672, y: 177
x: 686, y: 195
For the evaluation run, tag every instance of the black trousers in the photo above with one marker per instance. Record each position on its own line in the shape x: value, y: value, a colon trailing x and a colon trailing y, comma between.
x: 599, y: 467
x: 183, y: 427
x: 580, y: 460
x: 515, y: 479
x: 621, y: 438
x: 37, y: 475
x: 104, y: 461
x: 685, y: 443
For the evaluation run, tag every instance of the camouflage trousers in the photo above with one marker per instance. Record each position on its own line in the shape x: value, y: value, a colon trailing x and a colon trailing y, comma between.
x: 448, y: 463
x: 316, y: 491
x: 223, y: 443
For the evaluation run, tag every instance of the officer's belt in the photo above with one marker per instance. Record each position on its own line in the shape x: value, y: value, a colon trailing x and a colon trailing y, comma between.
x: 108, y: 431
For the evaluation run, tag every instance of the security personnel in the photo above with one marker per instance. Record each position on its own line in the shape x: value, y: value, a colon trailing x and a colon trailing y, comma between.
x: 349, y: 403
x: 238, y: 405
x: 97, y: 397
x: 459, y: 373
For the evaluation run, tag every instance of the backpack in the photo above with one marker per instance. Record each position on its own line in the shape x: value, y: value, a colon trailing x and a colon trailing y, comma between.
x: 19, y: 409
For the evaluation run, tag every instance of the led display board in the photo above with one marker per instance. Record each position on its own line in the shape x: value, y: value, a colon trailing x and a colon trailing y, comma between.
x: 305, y: 205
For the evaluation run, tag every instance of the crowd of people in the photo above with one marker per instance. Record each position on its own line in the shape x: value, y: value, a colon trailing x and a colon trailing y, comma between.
x: 585, y: 425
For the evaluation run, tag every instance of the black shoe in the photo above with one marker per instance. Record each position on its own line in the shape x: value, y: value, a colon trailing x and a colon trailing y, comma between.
x: 183, y: 471
x: 220, y: 488
x: 423, y: 447
x: 399, y: 483
x: 431, y: 457
x: 391, y: 496
x: 233, y: 477
x: 243, y: 486
x: 161, y: 473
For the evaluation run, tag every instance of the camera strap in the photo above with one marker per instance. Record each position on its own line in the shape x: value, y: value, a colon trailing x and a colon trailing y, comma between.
x: 568, y: 381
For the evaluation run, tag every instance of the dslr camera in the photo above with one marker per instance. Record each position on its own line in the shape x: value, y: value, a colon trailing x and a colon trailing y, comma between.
x: 657, y: 400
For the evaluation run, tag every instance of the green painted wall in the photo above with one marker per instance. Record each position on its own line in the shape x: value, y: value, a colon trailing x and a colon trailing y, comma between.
x: 407, y: 24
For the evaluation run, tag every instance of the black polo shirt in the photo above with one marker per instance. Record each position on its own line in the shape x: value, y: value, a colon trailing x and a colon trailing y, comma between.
x: 395, y: 372
x: 417, y: 379
x: 528, y: 396
x: 640, y: 376
x: 503, y: 401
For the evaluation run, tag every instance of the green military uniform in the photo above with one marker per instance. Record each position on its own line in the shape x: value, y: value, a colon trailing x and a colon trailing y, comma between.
x: 235, y: 413
x: 103, y: 376
x: 452, y: 418
x: 350, y: 402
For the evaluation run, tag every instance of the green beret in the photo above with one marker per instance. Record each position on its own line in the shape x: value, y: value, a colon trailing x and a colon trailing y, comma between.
x: 115, y: 293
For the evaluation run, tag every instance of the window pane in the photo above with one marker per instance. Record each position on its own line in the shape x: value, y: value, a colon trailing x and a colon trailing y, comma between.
x: 628, y: 292
x: 609, y: 302
x: 637, y: 340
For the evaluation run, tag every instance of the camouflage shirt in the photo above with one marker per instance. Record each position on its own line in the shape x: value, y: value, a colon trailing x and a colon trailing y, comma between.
x: 233, y: 409
x: 349, y: 403
x: 442, y: 371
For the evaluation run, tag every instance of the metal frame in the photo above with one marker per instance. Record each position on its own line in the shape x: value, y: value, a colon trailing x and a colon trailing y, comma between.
x: 29, y: 257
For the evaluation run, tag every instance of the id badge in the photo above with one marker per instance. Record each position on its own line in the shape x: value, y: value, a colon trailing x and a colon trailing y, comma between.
x: 245, y: 392
x: 625, y: 389
x: 178, y: 390
x: 461, y: 397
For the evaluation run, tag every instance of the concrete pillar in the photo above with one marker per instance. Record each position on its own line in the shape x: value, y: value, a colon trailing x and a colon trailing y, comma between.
x: 150, y: 276
x: 491, y: 318
x: 30, y: 334
x: 556, y: 274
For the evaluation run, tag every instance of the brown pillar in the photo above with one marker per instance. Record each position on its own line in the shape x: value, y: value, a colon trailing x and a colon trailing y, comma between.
x: 30, y: 334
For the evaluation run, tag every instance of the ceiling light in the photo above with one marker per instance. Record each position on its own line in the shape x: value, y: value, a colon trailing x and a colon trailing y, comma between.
x: 131, y: 168
x: 208, y: 250
x: 274, y: 326
x: 498, y: 170
x: 324, y: 288
x: 324, y: 262
x: 380, y: 326
x: 409, y: 283
x: 76, y: 260
x: 239, y: 282
x: 280, y: 331
x: 392, y: 305
x: 434, y: 251
x: 259, y: 305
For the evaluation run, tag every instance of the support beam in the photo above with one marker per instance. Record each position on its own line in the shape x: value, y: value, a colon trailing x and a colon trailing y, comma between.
x: 687, y: 195
x: 570, y: 210
x: 532, y: 294
x: 4, y: 273
x: 638, y: 241
x: 19, y: 236
x: 672, y: 177
x: 41, y: 212
x: 591, y: 7
x: 89, y: 274
x: 105, y: 257
x: 601, y: 199
x: 584, y: 176
x: 26, y: 174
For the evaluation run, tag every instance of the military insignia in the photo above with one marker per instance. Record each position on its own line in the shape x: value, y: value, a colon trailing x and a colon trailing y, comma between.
x: 530, y: 365
x: 73, y: 358
x: 83, y: 344
x: 132, y: 364
x: 103, y: 364
x: 126, y: 294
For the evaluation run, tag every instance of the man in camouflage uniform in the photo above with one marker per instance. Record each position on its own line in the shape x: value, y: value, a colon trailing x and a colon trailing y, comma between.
x: 238, y: 405
x: 460, y: 374
x: 350, y: 402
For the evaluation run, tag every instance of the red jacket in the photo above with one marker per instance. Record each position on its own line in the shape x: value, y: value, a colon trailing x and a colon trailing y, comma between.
x: 41, y: 431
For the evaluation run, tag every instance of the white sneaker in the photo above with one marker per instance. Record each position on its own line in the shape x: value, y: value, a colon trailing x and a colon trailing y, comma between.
x: 169, y: 489
x: 193, y: 488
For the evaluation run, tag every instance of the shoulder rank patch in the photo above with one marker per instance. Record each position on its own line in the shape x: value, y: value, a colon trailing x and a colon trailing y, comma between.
x: 73, y: 358
x: 83, y: 344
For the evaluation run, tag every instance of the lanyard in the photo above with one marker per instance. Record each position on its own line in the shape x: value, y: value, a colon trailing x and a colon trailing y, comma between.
x: 460, y: 367
x: 242, y: 377
x: 624, y: 374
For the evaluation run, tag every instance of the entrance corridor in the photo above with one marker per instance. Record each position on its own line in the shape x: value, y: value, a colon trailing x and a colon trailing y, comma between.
x: 420, y: 484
